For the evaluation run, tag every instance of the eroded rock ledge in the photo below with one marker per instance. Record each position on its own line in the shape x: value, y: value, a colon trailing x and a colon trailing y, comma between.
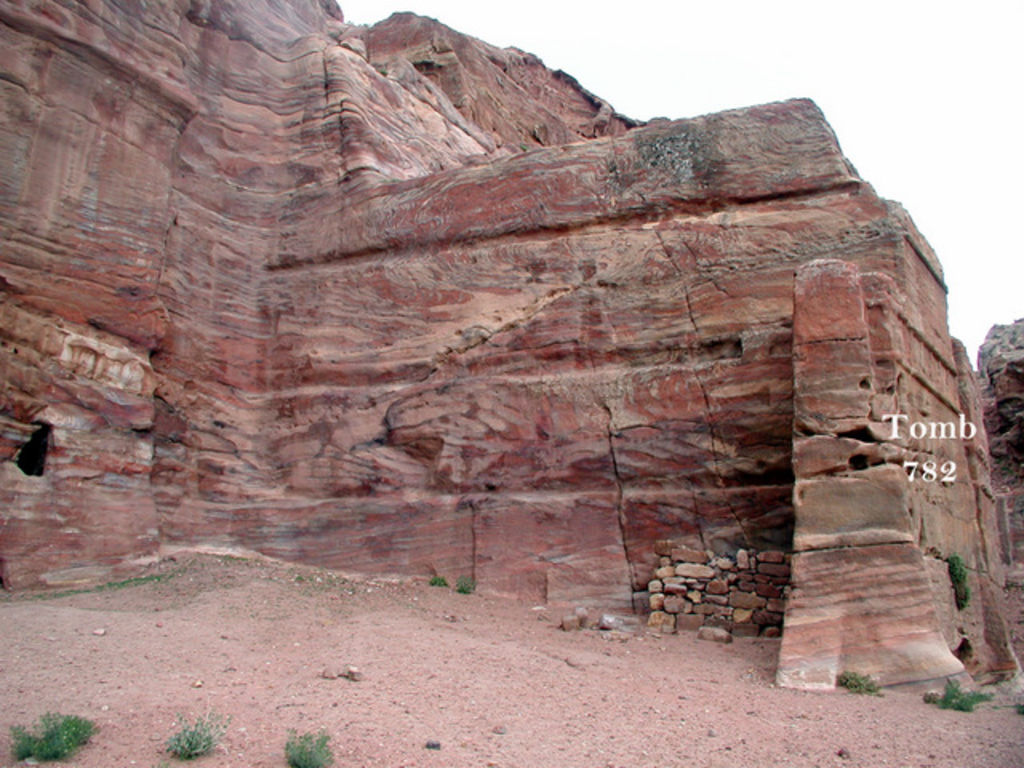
x: 391, y: 298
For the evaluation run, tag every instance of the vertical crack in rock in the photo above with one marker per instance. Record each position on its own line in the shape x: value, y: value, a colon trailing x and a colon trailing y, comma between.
x: 679, y: 270
x: 473, y: 546
x: 342, y: 166
x: 619, y: 491
x: 338, y: 121
x: 746, y: 533
x: 175, y: 165
x: 700, y: 522
x: 172, y: 222
x: 703, y: 391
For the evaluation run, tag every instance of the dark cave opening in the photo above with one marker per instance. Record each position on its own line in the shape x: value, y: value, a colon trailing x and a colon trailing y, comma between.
x: 32, y: 456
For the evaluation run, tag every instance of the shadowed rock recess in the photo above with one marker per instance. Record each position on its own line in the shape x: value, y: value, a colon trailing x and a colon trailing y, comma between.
x: 391, y: 299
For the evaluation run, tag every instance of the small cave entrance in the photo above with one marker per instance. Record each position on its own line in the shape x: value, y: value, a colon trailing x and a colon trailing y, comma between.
x: 965, y: 653
x: 31, y: 459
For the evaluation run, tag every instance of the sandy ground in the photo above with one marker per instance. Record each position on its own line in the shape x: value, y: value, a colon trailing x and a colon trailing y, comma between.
x: 494, y: 682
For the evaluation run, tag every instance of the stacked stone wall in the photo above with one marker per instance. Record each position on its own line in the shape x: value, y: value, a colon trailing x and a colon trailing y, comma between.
x: 743, y: 593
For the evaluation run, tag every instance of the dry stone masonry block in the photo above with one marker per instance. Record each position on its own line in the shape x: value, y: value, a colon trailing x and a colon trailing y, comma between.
x: 694, y: 589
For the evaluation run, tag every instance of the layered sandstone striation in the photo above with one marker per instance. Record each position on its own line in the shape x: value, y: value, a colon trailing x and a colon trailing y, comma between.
x: 393, y: 299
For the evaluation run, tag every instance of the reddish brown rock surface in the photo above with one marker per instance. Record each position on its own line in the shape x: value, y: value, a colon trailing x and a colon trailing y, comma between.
x: 283, y: 284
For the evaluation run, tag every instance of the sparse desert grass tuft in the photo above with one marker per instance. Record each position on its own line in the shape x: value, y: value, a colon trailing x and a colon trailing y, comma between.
x: 465, y: 585
x: 198, y: 738
x: 308, y: 750
x: 110, y: 586
x: 54, y: 737
x: 438, y: 581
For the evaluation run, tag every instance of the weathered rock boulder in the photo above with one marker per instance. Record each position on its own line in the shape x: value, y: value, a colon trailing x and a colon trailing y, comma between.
x: 278, y: 283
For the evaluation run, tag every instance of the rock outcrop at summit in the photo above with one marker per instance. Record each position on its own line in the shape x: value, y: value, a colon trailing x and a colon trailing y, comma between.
x: 517, y: 101
x: 389, y: 298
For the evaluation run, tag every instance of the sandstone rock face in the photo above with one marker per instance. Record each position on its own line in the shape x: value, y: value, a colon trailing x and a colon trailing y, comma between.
x: 891, y: 478
x: 1001, y: 365
x: 278, y: 283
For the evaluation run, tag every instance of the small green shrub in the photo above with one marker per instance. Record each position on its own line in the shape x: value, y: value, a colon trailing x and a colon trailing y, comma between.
x: 856, y: 683
x: 55, y: 736
x: 308, y: 750
x: 198, y: 738
x: 438, y: 581
x: 1020, y: 709
x: 958, y: 577
x: 465, y: 585
x: 962, y: 701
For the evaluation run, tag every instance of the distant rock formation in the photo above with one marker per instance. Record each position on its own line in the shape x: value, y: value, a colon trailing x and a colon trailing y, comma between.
x: 1001, y: 365
x: 392, y: 299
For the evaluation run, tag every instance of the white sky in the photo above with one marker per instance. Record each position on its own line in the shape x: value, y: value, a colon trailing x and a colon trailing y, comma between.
x: 925, y: 98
